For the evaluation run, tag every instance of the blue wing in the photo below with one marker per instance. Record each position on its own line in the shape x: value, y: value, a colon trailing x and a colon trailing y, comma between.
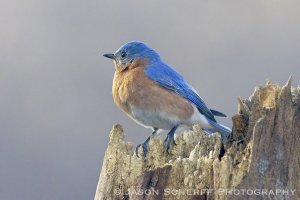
x: 168, y: 78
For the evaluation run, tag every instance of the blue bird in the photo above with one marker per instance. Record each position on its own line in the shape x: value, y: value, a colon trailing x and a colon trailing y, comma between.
x: 156, y: 96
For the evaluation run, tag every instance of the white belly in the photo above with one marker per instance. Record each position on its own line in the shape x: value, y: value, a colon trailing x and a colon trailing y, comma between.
x: 162, y: 120
x: 154, y: 118
x: 198, y: 118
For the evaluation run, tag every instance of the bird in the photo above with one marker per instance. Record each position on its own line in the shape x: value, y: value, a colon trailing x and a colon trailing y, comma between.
x: 156, y: 96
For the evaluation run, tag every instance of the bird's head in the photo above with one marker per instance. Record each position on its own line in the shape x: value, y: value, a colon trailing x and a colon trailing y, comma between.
x: 131, y: 53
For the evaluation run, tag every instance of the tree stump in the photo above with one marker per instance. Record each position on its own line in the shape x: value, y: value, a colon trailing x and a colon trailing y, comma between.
x: 260, y: 161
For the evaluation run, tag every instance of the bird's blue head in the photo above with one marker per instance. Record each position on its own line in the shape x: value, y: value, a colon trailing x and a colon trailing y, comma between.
x: 133, y: 51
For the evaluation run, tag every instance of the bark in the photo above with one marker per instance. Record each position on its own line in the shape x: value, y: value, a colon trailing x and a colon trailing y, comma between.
x: 260, y: 161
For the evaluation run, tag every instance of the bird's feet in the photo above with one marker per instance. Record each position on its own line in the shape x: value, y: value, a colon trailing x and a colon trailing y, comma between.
x: 145, y: 147
x: 169, y: 141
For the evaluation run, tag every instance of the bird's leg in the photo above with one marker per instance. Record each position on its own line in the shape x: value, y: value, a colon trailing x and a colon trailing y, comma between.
x: 170, y: 139
x: 145, y: 145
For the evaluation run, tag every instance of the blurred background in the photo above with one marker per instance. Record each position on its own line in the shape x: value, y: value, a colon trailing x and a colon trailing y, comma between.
x: 56, y: 107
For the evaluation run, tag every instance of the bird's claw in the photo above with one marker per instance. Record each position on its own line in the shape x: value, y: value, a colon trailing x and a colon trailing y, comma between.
x: 145, y: 147
x: 169, y: 141
x: 137, y: 150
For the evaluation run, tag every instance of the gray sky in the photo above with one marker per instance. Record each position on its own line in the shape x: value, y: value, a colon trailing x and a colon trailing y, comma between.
x: 55, y: 101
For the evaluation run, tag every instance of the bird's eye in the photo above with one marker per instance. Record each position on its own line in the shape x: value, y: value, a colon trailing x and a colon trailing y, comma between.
x: 123, y: 54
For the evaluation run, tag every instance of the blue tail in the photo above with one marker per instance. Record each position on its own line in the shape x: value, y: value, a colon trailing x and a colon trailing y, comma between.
x: 223, y: 130
x: 217, y: 113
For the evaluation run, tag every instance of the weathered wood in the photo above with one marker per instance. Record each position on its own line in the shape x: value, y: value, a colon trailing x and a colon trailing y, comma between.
x: 261, y: 159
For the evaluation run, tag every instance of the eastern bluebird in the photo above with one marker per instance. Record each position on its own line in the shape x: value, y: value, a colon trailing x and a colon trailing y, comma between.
x: 155, y: 96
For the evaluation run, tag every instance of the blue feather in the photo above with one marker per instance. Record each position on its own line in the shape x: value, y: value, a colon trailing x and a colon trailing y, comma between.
x: 168, y: 78
x: 223, y: 130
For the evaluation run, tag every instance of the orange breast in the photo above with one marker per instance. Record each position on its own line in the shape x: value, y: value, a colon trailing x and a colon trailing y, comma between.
x: 131, y: 87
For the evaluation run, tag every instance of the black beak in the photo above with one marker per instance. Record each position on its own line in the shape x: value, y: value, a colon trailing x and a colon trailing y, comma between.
x: 109, y: 55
